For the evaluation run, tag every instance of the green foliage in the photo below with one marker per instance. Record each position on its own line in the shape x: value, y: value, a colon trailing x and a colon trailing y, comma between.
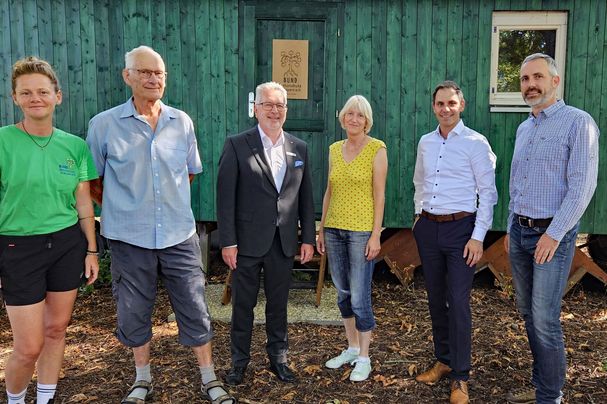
x: 514, y: 47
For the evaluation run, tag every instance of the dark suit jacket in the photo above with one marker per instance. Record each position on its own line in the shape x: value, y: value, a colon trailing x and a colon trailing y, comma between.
x: 250, y: 208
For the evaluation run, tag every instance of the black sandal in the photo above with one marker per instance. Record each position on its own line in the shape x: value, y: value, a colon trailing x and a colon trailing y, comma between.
x: 223, y: 399
x: 140, y: 384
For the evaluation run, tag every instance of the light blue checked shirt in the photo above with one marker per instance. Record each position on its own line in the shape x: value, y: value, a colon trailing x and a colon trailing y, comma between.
x: 554, y: 167
x: 146, y: 189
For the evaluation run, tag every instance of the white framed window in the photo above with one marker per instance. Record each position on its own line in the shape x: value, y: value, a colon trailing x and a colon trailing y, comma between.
x: 515, y: 35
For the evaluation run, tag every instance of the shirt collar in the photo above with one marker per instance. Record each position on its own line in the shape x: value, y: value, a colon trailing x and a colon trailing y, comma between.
x: 267, y: 142
x: 457, y: 130
x: 551, y: 110
x: 129, y: 110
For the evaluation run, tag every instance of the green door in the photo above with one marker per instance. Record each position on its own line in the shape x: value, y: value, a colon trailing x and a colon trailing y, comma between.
x: 312, y: 119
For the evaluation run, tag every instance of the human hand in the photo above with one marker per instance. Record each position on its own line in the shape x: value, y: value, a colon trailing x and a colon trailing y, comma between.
x: 473, y: 251
x: 306, y: 252
x: 507, y: 243
x: 320, y: 242
x: 545, y: 249
x: 229, y: 256
x: 91, y: 268
x: 372, y: 248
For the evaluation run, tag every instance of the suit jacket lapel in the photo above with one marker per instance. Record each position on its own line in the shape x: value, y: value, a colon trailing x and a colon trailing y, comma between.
x: 290, y: 157
x: 254, y: 141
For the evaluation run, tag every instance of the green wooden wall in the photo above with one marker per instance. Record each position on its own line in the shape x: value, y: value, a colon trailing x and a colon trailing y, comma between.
x: 393, y: 52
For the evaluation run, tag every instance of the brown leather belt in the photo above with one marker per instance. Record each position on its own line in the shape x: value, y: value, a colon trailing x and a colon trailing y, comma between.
x: 525, y: 221
x: 446, y: 218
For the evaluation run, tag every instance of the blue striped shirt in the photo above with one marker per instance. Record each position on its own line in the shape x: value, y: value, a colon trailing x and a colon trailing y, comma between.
x: 554, y: 167
x: 146, y: 190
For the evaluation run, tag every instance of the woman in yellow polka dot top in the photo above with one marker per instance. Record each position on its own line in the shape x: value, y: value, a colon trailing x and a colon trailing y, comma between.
x: 352, y: 214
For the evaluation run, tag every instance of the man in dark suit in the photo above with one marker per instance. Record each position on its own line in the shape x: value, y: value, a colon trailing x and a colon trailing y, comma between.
x: 264, y: 190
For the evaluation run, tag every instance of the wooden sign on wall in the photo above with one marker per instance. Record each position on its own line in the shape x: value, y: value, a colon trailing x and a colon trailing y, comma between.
x: 290, y: 66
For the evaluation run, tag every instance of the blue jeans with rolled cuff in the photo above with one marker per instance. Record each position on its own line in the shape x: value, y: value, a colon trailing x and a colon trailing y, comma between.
x: 539, y: 291
x: 352, y: 274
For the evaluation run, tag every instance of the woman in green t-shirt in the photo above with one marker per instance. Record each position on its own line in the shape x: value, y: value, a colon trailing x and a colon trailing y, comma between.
x: 47, y: 230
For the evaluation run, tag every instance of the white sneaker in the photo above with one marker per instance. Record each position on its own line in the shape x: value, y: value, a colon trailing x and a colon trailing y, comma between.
x: 343, y: 358
x: 361, y: 371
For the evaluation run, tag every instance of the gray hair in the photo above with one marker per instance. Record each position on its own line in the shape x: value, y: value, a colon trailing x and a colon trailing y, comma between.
x: 549, y: 61
x: 130, y: 56
x: 270, y: 85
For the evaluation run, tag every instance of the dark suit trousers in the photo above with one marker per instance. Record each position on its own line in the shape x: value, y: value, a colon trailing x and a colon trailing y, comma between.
x: 448, y: 282
x: 245, y: 286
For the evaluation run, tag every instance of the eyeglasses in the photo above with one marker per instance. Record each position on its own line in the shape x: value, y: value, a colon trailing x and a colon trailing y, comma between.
x: 147, y: 74
x: 268, y: 106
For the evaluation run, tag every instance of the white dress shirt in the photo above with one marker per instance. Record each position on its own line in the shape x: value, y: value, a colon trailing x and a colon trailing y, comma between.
x: 275, y: 156
x: 456, y: 174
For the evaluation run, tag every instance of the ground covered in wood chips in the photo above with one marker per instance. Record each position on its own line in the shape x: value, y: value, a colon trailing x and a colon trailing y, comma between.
x: 98, y: 369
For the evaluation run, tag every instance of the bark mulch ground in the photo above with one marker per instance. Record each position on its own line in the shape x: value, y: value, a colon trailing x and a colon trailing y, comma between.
x: 98, y: 369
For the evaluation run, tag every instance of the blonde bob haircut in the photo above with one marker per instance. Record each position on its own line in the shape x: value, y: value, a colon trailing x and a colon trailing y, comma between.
x: 359, y: 103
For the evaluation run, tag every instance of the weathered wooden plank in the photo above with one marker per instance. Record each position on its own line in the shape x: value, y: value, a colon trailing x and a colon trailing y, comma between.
x: 173, y: 93
x: 350, y: 51
x: 45, y: 30
x: 118, y: 88
x: 102, y: 56
x: 30, y: 28
x: 363, y: 48
x: 7, y: 111
x: 423, y: 88
x: 75, y: 97
x: 455, y: 45
x: 468, y: 81
x: 438, y: 42
x: 88, y: 60
x: 158, y: 26
x: 59, y: 62
x: 393, y: 112
x: 600, y: 213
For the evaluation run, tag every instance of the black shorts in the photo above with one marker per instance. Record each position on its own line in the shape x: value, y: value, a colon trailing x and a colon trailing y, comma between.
x: 32, y: 265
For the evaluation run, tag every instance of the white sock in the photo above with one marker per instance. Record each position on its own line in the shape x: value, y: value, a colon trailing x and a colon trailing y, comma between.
x: 363, y: 359
x: 45, y: 392
x: 18, y: 398
x: 143, y: 373
x: 353, y: 350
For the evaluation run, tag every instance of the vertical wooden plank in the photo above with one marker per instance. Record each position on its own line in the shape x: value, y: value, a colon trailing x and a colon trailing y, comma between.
x: 158, y: 27
x: 599, y: 225
x: 350, y: 35
x: 74, y: 63
x: 30, y: 28
x: 16, y: 30
x: 483, y: 66
x: 423, y: 88
x: 172, y: 59
x: 129, y: 21
x: 439, y: 29
x: 118, y: 89
x: 410, y: 43
x: 45, y: 30
x: 144, y: 28
x: 231, y: 78
x: 455, y: 45
x: 209, y: 31
x: 60, y: 63
x: 468, y: 80
x: 594, y: 96
x: 7, y: 111
x: 102, y: 55
x: 363, y: 48
x: 88, y: 61
x: 393, y: 113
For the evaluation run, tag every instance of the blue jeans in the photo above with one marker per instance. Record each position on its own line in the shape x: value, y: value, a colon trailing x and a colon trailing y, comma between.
x: 352, y: 274
x: 539, y: 292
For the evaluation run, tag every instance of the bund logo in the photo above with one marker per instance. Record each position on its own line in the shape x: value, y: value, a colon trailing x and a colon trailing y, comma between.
x: 292, y: 60
x: 68, y: 168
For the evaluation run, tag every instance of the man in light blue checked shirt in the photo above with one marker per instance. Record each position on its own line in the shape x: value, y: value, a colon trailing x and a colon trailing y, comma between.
x: 553, y: 177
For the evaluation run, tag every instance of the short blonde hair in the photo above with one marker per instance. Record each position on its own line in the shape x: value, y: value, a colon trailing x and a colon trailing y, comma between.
x: 34, y: 65
x: 361, y: 104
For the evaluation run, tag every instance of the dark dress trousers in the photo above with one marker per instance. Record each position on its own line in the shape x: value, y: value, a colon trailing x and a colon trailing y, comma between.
x: 263, y: 223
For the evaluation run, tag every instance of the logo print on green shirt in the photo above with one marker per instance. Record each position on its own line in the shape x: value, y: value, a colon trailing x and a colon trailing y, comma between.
x: 68, y: 167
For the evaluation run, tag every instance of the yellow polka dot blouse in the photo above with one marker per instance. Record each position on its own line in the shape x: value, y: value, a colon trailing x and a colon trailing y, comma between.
x: 351, y: 204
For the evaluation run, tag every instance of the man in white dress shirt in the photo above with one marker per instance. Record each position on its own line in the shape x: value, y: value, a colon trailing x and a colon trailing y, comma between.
x: 454, y: 197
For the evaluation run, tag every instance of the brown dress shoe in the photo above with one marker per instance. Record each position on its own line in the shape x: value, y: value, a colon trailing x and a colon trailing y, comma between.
x: 459, y: 392
x: 434, y: 374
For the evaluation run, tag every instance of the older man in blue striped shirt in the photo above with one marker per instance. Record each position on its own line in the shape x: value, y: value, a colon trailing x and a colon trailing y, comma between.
x: 553, y: 177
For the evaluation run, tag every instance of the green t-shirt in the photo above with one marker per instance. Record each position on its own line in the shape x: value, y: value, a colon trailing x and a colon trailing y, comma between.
x: 37, y: 185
